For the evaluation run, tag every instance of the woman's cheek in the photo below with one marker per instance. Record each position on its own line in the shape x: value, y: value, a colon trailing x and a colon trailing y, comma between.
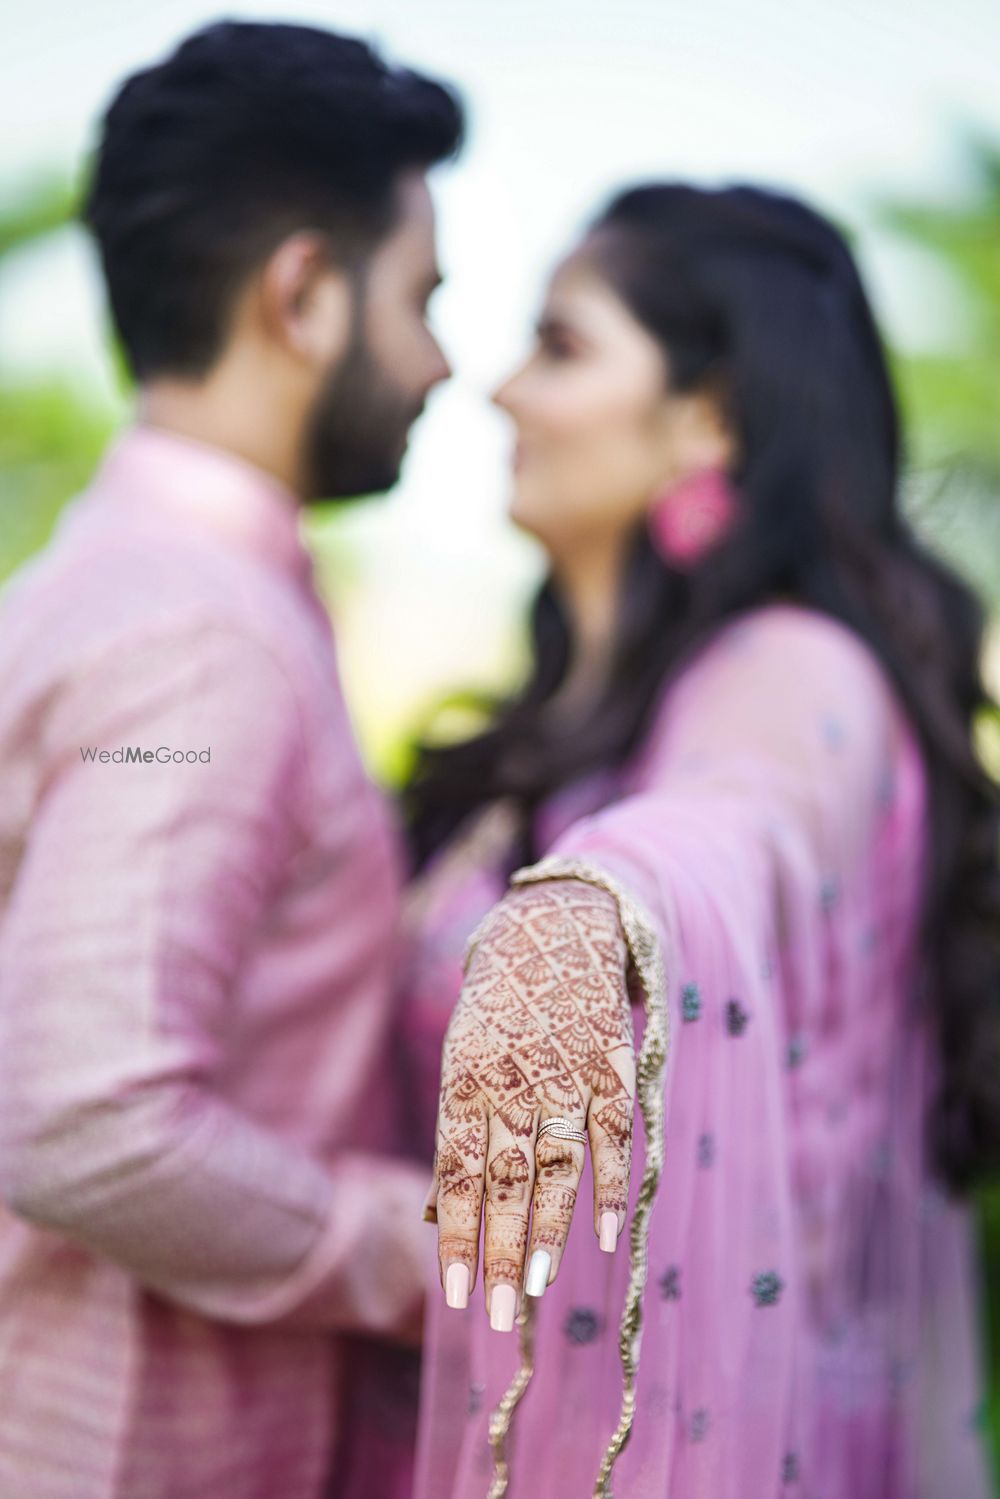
x: 535, y: 496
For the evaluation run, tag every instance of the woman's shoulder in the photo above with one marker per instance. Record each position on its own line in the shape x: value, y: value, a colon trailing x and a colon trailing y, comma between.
x: 785, y: 627
x: 788, y: 648
x: 780, y: 661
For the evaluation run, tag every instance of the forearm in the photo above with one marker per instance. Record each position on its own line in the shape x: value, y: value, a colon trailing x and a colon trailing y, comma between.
x: 209, y: 1209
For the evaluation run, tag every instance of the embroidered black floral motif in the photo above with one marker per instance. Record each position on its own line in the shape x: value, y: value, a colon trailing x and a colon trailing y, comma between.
x: 880, y: 1158
x: 700, y: 1422
x: 476, y: 1393
x: 767, y: 1287
x: 835, y: 1332
x: 797, y: 1051
x: 706, y: 1150
x: 690, y: 1001
x: 933, y: 1200
x: 582, y: 1325
x: 869, y: 939
x: 886, y: 791
x: 736, y: 1017
x: 833, y: 732
x: 790, y: 1467
x: 829, y: 893
x: 670, y: 1283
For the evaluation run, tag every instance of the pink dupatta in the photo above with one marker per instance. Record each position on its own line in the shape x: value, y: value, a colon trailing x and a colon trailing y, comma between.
x: 809, y: 1313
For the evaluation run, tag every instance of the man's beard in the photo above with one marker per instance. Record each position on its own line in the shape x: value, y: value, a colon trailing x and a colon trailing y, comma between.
x: 356, y: 433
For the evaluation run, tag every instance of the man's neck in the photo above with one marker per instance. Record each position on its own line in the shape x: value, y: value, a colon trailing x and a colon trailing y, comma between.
x: 213, y: 417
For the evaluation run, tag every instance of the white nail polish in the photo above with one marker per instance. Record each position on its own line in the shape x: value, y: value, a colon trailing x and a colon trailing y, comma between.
x: 538, y: 1273
x: 609, y: 1232
x: 456, y: 1285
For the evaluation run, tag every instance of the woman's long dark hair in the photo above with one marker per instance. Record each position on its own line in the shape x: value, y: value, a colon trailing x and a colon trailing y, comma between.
x: 756, y: 296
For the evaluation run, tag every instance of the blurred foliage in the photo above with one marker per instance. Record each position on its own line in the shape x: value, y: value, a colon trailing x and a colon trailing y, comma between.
x: 954, y: 396
x: 45, y: 203
x: 51, y: 436
x: 951, y: 396
x: 49, y: 445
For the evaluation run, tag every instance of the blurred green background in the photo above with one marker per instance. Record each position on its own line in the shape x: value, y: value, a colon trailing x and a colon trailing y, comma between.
x: 379, y: 565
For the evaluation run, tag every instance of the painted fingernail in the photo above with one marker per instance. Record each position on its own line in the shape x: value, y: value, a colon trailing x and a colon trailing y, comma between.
x: 538, y: 1273
x: 609, y: 1232
x: 456, y: 1285
x: 503, y: 1304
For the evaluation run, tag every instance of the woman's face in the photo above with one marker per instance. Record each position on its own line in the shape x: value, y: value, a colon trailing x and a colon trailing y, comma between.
x: 598, y: 431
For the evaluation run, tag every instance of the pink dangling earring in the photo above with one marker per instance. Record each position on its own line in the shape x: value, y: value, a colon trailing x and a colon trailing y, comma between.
x: 689, y: 517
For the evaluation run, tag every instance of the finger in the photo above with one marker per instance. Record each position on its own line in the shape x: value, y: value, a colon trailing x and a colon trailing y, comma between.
x: 461, y: 1158
x: 510, y: 1176
x: 610, y: 1125
x: 558, y: 1168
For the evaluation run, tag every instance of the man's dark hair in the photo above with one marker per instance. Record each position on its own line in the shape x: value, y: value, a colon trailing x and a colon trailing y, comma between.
x: 245, y: 134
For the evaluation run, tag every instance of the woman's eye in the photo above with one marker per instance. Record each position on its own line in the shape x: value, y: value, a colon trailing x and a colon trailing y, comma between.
x: 555, y: 347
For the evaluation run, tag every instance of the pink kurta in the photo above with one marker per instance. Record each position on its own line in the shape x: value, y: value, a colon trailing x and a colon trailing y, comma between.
x: 810, y: 1312
x: 195, y: 979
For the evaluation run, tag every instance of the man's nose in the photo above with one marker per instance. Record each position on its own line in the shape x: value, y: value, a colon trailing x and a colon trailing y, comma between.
x: 437, y: 366
x: 440, y: 369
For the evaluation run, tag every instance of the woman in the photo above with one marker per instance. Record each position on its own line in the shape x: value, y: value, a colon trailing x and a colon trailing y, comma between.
x: 769, y: 906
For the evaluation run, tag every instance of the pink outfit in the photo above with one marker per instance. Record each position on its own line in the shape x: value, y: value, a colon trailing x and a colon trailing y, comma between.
x: 195, y: 1004
x: 810, y: 1313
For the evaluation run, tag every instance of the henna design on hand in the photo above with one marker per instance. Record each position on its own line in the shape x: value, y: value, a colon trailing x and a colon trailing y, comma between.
x: 509, y: 1171
x: 543, y: 1026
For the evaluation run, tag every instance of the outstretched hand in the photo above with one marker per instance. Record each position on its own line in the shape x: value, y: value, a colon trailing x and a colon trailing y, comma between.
x: 542, y: 1030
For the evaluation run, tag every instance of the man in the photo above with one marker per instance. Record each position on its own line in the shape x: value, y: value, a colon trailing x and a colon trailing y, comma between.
x: 198, y: 883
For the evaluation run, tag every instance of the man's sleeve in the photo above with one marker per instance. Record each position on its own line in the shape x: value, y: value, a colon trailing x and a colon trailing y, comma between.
x: 139, y: 893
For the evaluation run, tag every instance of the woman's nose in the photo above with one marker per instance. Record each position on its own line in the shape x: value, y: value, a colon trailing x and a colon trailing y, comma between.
x: 498, y: 395
x: 505, y: 395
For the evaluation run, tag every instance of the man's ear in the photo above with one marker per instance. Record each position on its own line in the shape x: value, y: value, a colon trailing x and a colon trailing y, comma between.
x: 305, y: 300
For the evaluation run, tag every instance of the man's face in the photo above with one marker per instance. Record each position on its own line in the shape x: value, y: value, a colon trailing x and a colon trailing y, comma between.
x: 357, y: 431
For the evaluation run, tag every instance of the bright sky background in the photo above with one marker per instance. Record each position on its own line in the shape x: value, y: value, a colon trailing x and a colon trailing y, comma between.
x: 847, y: 103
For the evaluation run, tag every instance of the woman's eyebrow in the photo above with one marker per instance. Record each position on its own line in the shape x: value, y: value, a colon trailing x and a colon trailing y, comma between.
x: 551, y: 325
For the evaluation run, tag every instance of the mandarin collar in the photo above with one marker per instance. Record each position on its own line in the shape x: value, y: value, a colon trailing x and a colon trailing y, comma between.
x: 209, y: 488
